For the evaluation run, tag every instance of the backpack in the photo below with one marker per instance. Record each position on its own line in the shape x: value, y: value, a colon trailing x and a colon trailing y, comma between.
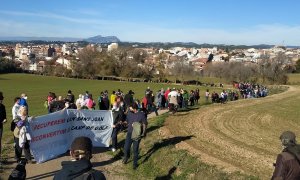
x: 17, y: 132
x: 136, y: 131
x: 19, y: 173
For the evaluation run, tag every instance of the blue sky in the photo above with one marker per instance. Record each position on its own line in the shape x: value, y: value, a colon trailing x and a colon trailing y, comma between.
x: 211, y: 21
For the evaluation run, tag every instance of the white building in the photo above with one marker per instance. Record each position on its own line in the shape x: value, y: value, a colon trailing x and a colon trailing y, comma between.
x: 65, y: 62
x: 112, y: 46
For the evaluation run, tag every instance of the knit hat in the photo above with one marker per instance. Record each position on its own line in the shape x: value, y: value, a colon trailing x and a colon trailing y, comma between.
x: 288, y: 137
x: 84, y: 144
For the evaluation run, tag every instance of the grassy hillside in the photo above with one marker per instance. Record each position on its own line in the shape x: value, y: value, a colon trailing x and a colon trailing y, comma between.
x: 240, y: 136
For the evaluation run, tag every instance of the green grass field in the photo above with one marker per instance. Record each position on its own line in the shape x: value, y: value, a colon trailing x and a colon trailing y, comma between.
x: 294, y: 79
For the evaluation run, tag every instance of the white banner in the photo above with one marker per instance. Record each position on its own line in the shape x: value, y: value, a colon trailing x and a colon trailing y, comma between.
x: 53, y: 134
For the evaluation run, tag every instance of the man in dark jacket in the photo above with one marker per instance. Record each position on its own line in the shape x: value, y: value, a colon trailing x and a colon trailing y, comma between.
x: 2, y: 120
x: 80, y: 168
x: 128, y: 99
x: 288, y: 161
x: 70, y: 97
x: 134, y: 116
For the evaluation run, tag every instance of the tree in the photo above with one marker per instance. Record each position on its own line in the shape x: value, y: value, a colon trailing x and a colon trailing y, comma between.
x: 297, y: 66
x: 8, y: 66
x: 89, y: 62
x: 181, y: 69
x: 273, y: 69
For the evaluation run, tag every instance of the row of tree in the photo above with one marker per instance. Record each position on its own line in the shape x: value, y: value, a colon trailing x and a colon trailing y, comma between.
x: 134, y: 63
x: 267, y: 70
x: 8, y: 66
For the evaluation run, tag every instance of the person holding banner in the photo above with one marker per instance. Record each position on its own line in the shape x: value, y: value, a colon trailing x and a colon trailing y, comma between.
x: 118, y: 111
x: 137, y: 125
x: 80, y: 166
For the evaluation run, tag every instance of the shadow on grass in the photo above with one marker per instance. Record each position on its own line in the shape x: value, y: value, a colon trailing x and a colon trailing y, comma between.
x: 168, y: 176
x: 188, y: 109
x: 165, y: 143
x: 110, y: 161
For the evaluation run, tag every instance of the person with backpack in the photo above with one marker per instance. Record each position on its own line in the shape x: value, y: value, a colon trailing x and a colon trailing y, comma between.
x: 287, y: 165
x: 22, y: 136
x: 80, y: 166
x: 137, y: 125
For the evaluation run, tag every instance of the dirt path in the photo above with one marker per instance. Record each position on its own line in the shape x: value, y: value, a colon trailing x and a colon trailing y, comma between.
x: 238, y: 136
x: 110, y: 166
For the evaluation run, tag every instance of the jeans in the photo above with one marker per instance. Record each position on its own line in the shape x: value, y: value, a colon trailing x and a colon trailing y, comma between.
x: 18, y: 150
x: 127, y: 148
x: 114, y: 137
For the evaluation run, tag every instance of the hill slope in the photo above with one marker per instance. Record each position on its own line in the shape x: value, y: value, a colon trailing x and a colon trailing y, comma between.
x: 240, y: 136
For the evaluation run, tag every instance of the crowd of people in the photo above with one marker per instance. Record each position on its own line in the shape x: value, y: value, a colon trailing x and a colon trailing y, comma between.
x: 129, y: 114
x: 248, y: 90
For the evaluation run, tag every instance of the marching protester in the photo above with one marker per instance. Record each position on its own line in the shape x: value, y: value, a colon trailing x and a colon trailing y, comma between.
x: 57, y: 105
x: 137, y: 125
x: 167, y: 97
x: 15, y: 108
x: 89, y: 102
x: 23, y: 100
x: 128, y: 99
x: 287, y: 165
x: 80, y: 166
x: 192, y: 98
x: 70, y: 97
x: 112, y: 98
x: 2, y: 120
x: 185, y: 99
x: 173, y: 101
x: 118, y: 111
x: 80, y: 102
x: 104, y: 104
x: 207, y: 95
x: 197, y: 95
x: 22, y: 135
x: 50, y: 98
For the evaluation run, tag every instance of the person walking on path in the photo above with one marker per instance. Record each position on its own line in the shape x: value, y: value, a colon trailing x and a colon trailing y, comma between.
x: 137, y: 125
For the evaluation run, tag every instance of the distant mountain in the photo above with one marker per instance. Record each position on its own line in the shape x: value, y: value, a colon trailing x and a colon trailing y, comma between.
x: 102, y: 39
x: 20, y: 38
x: 96, y: 39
